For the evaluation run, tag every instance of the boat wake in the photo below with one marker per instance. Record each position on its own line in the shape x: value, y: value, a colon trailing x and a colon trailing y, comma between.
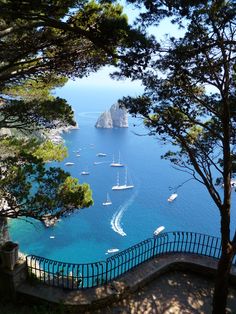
x: 100, y: 162
x: 115, y: 222
x: 116, y: 218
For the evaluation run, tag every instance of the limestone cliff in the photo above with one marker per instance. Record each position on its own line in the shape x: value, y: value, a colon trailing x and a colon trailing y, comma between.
x: 115, y: 117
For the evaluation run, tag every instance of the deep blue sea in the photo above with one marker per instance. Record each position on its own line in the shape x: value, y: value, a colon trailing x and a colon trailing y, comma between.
x: 87, y: 235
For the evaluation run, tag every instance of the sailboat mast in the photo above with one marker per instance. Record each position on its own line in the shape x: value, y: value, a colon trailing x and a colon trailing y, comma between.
x: 126, y: 176
x: 118, y: 179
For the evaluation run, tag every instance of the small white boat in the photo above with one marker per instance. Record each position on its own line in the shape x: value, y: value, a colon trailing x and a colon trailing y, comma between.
x: 69, y: 163
x: 112, y: 251
x: 107, y: 202
x: 125, y: 186
x: 85, y: 173
x: 101, y: 155
x: 98, y: 162
x: 158, y: 230
x: 233, y: 183
x: 52, y: 237
x: 172, y: 197
x: 78, y: 155
x: 116, y: 164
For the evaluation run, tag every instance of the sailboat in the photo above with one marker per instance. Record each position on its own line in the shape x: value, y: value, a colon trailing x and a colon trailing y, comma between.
x: 107, y: 202
x: 124, y: 186
x: 85, y: 172
x: 116, y: 164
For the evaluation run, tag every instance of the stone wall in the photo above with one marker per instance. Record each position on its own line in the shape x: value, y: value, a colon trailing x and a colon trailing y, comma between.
x: 11, y: 280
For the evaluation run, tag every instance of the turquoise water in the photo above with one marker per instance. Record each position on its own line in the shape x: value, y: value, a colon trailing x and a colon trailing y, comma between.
x: 87, y: 235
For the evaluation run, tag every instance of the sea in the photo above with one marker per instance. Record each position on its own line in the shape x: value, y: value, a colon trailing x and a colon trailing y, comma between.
x: 89, y: 233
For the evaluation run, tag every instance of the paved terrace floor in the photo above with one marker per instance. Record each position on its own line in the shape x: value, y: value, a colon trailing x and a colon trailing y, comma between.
x: 175, y: 292
x: 153, y: 287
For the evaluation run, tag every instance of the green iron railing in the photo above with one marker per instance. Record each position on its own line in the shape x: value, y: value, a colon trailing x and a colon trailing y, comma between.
x: 80, y: 276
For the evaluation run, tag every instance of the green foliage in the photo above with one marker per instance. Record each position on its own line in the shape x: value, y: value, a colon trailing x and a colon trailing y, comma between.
x: 189, y: 103
x: 34, y: 89
x: 176, y: 106
x: 36, y: 114
x: 48, y: 151
x: 42, y: 44
x: 38, y: 40
x: 32, y: 190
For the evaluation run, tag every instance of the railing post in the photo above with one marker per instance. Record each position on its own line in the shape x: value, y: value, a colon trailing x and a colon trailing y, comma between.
x: 106, y: 270
x: 154, y: 246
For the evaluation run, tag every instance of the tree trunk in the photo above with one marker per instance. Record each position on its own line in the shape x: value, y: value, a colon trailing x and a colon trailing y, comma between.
x: 4, y: 234
x: 221, y: 284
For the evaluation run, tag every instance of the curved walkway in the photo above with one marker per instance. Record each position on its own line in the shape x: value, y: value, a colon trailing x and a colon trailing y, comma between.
x: 94, y: 298
x: 175, y: 292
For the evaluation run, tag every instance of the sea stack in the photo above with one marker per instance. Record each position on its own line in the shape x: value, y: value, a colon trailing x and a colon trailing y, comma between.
x: 115, y: 117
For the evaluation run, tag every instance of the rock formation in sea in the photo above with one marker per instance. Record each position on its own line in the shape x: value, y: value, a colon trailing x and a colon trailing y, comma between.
x: 115, y: 117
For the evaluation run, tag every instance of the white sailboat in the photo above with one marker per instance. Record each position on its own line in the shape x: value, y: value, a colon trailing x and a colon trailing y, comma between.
x: 116, y: 164
x: 107, y: 202
x: 125, y: 186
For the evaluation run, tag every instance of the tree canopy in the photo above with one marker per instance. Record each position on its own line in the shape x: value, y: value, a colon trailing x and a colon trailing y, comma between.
x: 189, y: 103
x: 42, y: 44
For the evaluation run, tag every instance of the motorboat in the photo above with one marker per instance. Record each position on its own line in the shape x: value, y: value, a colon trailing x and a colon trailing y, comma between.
x: 101, y: 155
x: 69, y: 163
x: 172, y: 197
x: 158, y: 230
x: 85, y: 173
x: 114, y: 250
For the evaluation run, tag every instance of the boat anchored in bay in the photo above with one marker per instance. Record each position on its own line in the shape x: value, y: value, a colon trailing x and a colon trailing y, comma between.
x: 116, y: 164
x: 125, y: 186
x: 172, y: 197
x: 101, y: 155
x: 85, y: 173
x: 69, y: 163
x: 107, y: 202
x: 110, y: 251
x: 158, y: 230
